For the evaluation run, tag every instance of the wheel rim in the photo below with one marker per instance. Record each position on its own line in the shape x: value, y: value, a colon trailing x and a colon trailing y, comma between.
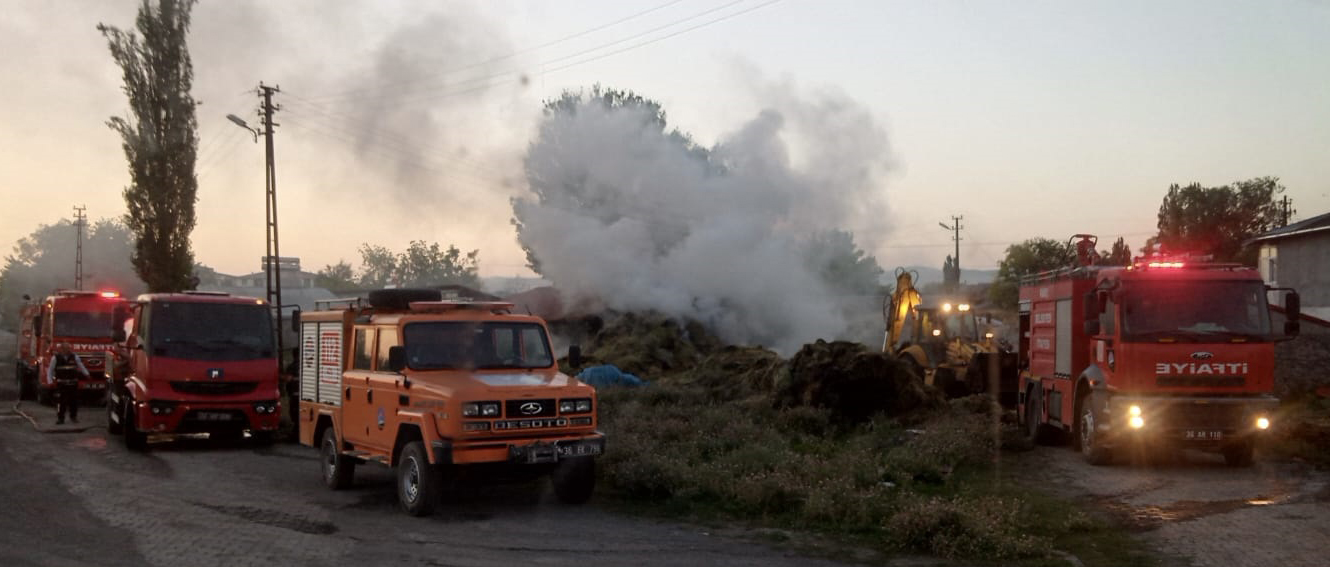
x: 1087, y: 430
x: 329, y: 460
x: 411, y: 480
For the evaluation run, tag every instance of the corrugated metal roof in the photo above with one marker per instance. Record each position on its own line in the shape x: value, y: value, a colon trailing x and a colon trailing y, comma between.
x: 1315, y: 224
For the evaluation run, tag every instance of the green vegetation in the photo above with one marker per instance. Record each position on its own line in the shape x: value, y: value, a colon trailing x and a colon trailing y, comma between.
x: 917, y: 484
x: 1302, y: 432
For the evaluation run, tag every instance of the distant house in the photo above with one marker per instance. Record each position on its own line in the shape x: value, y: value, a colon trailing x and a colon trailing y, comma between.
x: 1298, y: 256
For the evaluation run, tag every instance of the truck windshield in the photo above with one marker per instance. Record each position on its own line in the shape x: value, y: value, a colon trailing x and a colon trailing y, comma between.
x: 210, y: 331
x: 467, y: 345
x: 84, y: 324
x: 1195, y: 311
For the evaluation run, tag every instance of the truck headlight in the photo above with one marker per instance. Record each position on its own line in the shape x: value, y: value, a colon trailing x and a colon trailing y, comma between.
x: 1134, y: 411
x: 575, y: 405
x: 1262, y: 423
x: 1136, y: 422
x: 470, y: 409
x: 489, y: 409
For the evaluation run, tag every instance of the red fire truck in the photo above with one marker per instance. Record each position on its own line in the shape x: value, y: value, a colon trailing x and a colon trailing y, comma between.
x: 199, y: 362
x: 85, y: 320
x: 1164, y: 352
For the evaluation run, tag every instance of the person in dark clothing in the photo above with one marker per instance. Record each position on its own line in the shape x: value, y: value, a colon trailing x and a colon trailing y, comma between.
x: 65, y: 369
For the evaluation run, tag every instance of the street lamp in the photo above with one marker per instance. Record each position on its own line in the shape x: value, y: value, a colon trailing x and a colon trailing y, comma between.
x: 241, y: 123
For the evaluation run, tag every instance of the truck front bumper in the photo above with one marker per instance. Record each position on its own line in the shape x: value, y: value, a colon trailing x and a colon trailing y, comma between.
x: 161, y: 416
x: 1189, y: 420
x: 520, y: 451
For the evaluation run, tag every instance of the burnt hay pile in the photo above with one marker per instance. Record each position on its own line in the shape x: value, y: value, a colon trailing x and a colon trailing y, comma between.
x: 851, y: 381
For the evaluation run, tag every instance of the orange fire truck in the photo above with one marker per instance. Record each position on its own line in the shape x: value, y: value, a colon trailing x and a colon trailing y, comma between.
x: 442, y: 390
x: 199, y: 362
x: 1166, y: 351
x: 85, y: 320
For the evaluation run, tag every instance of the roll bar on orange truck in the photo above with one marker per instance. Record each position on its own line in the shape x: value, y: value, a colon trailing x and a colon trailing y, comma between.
x: 1167, y: 351
x: 441, y: 389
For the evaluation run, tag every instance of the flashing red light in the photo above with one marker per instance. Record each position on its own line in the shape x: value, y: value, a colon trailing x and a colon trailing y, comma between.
x: 110, y: 294
x: 1165, y: 265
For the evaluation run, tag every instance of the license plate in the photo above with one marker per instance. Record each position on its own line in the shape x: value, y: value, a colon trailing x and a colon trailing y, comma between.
x: 536, y: 454
x: 579, y: 450
x: 1203, y: 435
x: 214, y: 416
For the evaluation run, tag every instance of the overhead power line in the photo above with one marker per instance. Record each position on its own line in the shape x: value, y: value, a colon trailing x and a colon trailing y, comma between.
x: 523, y: 51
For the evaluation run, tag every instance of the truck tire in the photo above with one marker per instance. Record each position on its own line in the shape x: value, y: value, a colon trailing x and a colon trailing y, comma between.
x: 339, y: 470
x: 135, y: 440
x: 1239, y: 454
x: 418, y: 482
x: 1087, y: 436
x: 25, y: 384
x: 574, y: 480
x: 112, y: 426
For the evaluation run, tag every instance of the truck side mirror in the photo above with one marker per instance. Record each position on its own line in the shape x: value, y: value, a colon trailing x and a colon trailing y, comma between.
x: 397, y: 358
x: 1292, y: 314
x: 1092, y: 326
x: 295, y: 321
x: 575, y: 356
x: 118, y: 335
x: 1090, y: 306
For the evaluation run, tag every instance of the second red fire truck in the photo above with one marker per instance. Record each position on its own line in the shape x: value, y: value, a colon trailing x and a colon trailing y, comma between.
x: 1166, y: 351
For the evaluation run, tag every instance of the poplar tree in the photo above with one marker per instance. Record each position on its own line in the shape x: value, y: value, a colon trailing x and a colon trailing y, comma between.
x: 160, y: 141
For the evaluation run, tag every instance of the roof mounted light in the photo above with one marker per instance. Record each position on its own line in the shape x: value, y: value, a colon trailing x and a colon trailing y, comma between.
x: 109, y: 294
x: 946, y: 307
x: 963, y: 307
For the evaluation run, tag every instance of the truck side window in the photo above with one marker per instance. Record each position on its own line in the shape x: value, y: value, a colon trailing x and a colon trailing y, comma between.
x: 364, y: 350
x: 1108, y: 318
x: 387, y: 340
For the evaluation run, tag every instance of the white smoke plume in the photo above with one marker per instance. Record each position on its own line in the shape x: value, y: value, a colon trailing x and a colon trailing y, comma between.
x: 634, y: 217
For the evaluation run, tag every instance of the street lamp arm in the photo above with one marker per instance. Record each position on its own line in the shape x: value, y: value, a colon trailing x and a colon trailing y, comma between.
x: 241, y: 123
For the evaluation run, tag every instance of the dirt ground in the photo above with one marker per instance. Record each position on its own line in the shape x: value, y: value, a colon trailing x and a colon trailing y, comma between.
x: 1196, y: 511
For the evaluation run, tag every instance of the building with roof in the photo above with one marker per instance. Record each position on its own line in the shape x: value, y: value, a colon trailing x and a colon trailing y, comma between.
x: 1298, y: 256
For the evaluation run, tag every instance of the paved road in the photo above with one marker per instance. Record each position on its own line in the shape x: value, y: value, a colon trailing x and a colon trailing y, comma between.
x: 1192, y: 507
x: 79, y: 498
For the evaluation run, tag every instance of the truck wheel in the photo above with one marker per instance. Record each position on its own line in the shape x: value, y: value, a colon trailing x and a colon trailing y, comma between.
x: 24, y: 385
x: 417, y: 481
x: 135, y: 440
x: 1091, y: 447
x: 574, y: 479
x: 338, y: 470
x: 1239, y: 454
x: 112, y: 426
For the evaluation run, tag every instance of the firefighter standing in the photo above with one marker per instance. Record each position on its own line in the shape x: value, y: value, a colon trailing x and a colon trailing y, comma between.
x: 64, y: 370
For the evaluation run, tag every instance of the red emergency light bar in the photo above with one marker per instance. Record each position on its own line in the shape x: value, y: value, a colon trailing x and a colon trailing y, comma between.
x: 1164, y: 265
x: 109, y: 294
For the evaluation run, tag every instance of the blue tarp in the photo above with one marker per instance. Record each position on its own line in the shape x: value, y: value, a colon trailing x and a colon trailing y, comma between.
x: 608, y: 375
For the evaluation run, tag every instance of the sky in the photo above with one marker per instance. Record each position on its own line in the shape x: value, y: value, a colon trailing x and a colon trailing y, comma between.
x: 408, y: 120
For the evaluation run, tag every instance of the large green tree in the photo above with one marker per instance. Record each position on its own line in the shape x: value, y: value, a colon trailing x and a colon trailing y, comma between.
x: 1217, y: 220
x: 1118, y: 255
x: 44, y: 261
x: 845, y: 268
x: 159, y: 140
x: 420, y: 265
x: 336, y: 276
x: 1030, y: 257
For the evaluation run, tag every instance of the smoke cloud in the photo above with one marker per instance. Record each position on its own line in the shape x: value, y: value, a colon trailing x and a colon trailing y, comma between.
x: 634, y: 217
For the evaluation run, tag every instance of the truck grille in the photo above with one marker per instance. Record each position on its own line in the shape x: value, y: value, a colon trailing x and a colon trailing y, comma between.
x: 523, y: 408
x: 1202, y: 416
x: 214, y: 388
x: 1200, y: 381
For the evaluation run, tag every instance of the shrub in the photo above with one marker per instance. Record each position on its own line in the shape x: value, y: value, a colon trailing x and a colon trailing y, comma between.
x: 954, y: 527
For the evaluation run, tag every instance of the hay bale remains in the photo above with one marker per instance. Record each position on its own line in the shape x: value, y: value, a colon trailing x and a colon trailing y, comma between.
x: 854, y: 383
x: 650, y: 345
x: 737, y: 372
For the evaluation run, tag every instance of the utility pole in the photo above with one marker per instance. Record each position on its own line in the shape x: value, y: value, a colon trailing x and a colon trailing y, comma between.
x: 79, y: 221
x: 1285, y: 210
x: 955, y: 227
x: 273, y: 259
